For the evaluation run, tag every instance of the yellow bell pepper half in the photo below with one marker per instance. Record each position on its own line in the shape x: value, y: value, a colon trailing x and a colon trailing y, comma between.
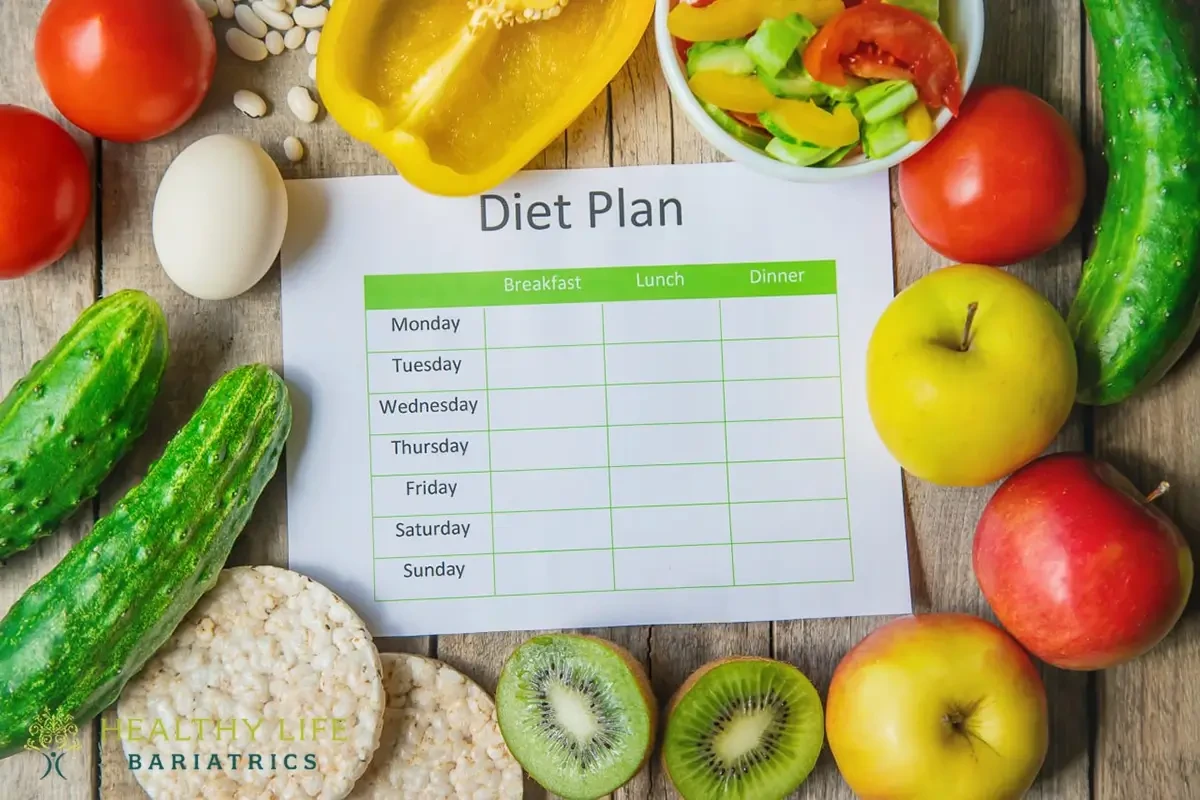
x: 731, y: 19
x: 458, y: 110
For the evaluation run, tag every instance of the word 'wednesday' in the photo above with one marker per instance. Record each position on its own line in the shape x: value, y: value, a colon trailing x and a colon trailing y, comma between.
x: 497, y: 213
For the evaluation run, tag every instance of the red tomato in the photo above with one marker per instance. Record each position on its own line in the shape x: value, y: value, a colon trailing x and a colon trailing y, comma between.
x: 867, y: 62
x: 45, y: 191
x: 122, y: 70
x: 749, y: 120
x: 1001, y: 183
x: 908, y: 38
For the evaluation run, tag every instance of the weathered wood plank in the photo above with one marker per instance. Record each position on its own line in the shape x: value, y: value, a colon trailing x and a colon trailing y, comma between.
x: 1036, y: 46
x: 1149, y: 709
x: 209, y: 338
x: 36, y: 311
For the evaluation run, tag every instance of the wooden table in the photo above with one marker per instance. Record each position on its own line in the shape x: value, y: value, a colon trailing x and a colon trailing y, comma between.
x: 1129, y: 733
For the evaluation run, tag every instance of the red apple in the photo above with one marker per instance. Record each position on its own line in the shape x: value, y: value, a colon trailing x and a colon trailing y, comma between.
x: 1078, y: 565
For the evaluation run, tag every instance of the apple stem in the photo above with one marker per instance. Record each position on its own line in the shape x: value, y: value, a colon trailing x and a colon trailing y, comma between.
x: 1158, y: 492
x: 966, y: 339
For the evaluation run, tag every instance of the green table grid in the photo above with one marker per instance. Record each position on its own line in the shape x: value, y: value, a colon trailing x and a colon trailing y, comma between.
x: 390, y: 287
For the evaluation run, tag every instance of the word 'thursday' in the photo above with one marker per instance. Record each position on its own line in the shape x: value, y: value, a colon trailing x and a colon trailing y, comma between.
x: 498, y: 213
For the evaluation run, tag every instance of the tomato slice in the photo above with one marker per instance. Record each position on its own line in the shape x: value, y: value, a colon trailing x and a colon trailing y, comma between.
x: 910, y: 40
x: 749, y: 120
x: 867, y: 62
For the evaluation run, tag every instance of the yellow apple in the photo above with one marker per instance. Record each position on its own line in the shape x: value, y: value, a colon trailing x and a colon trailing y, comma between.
x: 970, y: 375
x: 935, y: 707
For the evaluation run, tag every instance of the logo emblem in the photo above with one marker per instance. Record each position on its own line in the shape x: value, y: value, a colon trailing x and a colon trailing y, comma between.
x: 52, y: 736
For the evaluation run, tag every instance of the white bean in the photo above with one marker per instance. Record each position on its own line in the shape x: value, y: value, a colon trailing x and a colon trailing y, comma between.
x: 278, y: 20
x: 249, y: 103
x: 274, y: 43
x: 209, y: 7
x: 225, y: 9
x: 312, y: 41
x: 294, y: 39
x: 313, y: 2
x: 248, y: 21
x: 293, y: 148
x: 244, y: 45
x: 302, y: 104
x: 310, y: 17
x: 278, y: 5
x: 312, y: 70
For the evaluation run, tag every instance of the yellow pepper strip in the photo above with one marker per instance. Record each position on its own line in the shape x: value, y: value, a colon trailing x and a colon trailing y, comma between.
x: 918, y: 122
x: 744, y: 93
x: 810, y: 123
x: 730, y: 19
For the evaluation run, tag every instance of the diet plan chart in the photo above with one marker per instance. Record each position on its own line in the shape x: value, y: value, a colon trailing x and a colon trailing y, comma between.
x: 590, y: 398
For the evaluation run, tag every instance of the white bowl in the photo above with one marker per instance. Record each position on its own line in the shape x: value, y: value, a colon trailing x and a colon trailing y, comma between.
x: 961, y: 20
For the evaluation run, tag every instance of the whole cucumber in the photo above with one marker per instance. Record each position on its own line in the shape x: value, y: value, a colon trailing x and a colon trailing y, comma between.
x: 66, y: 424
x: 76, y: 637
x: 1138, y: 304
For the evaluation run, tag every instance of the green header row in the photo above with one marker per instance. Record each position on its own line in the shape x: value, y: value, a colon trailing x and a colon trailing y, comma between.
x: 599, y: 285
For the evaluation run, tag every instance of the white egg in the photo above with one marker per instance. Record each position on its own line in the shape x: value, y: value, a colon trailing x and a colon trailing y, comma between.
x: 219, y: 217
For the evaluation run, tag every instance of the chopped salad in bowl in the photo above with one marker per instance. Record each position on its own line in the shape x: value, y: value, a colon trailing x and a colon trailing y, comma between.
x: 820, y: 83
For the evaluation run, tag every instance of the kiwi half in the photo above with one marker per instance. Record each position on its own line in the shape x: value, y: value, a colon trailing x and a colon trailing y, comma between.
x: 743, y: 729
x: 577, y: 712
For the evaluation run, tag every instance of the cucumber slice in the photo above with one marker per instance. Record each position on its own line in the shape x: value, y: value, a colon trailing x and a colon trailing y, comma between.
x: 844, y: 94
x: 837, y: 157
x: 799, y: 155
x: 885, y: 99
x: 729, y: 56
x: 881, y: 139
x: 778, y: 128
x: 743, y: 133
x: 793, y: 84
x: 926, y: 8
x: 776, y: 41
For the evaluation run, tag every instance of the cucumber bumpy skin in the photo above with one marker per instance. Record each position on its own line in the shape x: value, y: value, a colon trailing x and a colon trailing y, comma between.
x: 78, y: 635
x: 1138, y: 305
x: 78, y: 411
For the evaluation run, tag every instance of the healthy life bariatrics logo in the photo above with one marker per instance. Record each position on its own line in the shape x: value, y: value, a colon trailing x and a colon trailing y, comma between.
x: 52, y: 736
x: 224, y: 744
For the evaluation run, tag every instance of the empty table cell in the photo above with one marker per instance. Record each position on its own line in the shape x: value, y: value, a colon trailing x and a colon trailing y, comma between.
x: 545, y: 366
x: 655, y: 363
x: 430, y: 578
x: 405, y: 454
x: 680, y: 402
x: 550, y: 490
x: 532, y: 531
x: 423, y: 413
x: 792, y: 562
x: 794, y: 480
x: 662, y: 321
x: 667, y: 444
x: 781, y: 358
x: 441, y: 535
x: 779, y: 317
x: 677, y: 485
x: 547, y: 408
x: 431, y: 494
x: 554, y: 573
x: 531, y: 326
x: 675, y: 525
x: 782, y: 522
x: 424, y: 329
x: 785, y: 399
x: 777, y: 441
x: 674, y: 567
x: 549, y: 449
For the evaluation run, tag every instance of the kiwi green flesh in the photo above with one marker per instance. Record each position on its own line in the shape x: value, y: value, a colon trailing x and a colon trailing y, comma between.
x: 745, y: 730
x: 573, y: 714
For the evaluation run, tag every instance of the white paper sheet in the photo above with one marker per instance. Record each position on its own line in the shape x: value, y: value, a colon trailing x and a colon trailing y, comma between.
x: 590, y: 398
